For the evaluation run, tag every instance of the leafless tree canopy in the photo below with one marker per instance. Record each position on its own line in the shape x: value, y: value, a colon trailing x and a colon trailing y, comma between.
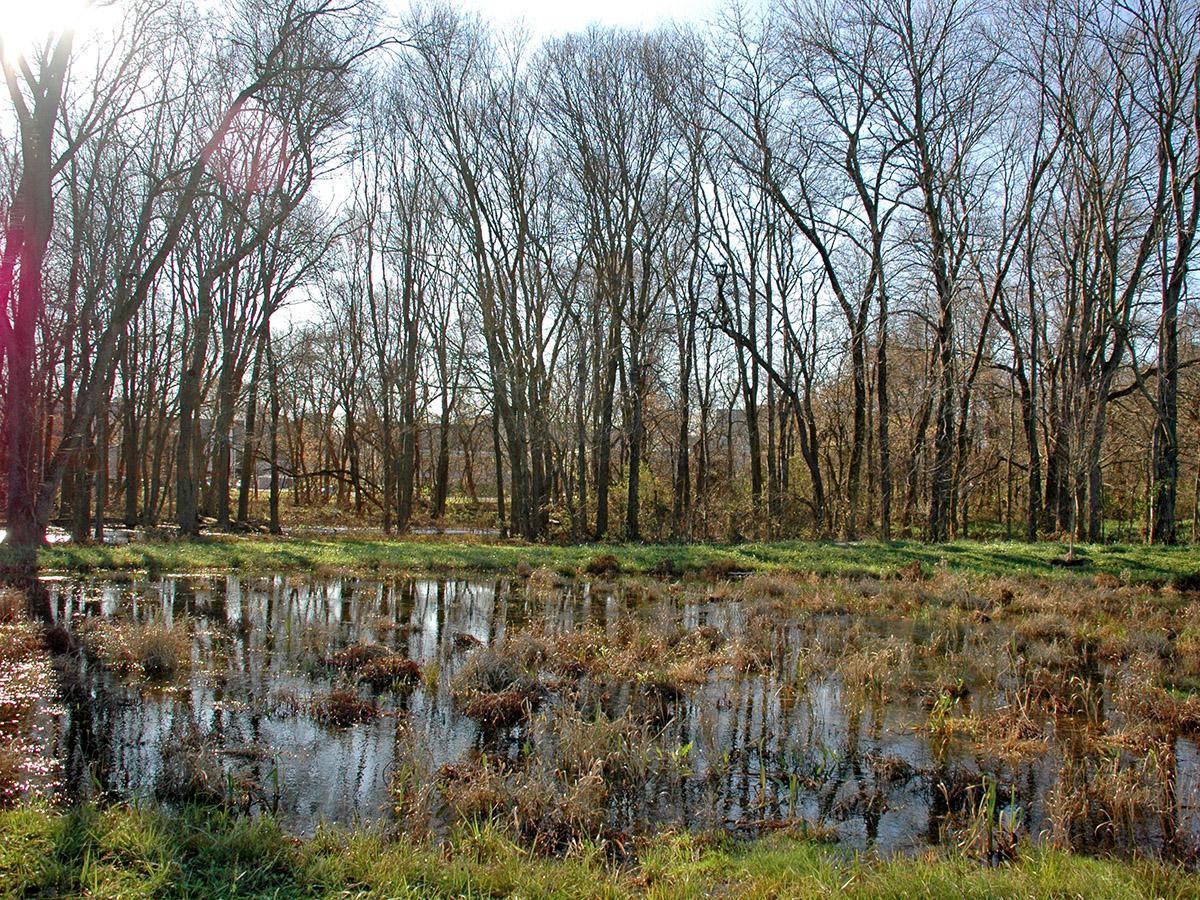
x: 816, y: 268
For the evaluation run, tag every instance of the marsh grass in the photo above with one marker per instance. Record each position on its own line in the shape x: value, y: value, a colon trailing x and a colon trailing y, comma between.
x: 1083, y: 667
x: 153, y: 651
x: 380, y: 667
x: 496, y: 689
x: 192, y: 769
x: 390, y: 672
x: 341, y: 708
x: 555, y: 793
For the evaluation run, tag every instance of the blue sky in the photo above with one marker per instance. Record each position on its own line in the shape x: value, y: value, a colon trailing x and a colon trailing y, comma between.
x: 546, y: 18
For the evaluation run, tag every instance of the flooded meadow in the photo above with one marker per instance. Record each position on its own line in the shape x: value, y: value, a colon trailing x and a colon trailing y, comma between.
x: 887, y: 715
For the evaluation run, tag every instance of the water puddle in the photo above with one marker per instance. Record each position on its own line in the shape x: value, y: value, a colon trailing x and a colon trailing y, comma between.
x: 634, y: 706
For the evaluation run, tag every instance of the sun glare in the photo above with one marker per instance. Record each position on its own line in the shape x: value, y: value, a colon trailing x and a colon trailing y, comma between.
x: 26, y: 25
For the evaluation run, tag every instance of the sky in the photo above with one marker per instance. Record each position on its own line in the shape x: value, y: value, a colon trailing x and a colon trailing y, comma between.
x: 550, y: 18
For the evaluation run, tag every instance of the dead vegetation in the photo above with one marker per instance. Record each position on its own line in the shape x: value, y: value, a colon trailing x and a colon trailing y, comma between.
x: 605, y: 564
x: 495, y: 689
x: 154, y: 651
x: 192, y: 769
x: 390, y: 672
x: 556, y: 791
x: 378, y: 666
x: 341, y: 708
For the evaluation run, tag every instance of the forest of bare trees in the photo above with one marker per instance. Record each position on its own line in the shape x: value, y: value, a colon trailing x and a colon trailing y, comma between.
x: 819, y: 268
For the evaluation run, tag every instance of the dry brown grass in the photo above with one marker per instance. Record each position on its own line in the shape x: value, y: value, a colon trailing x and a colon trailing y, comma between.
x: 192, y: 769
x: 497, y: 709
x: 766, y: 586
x: 342, y: 708
x: 544, y: 582
x: 491, y: 670
x: 392, y: 671
x: 154, y: 651
x: 1017, y: 676
x: 548, y: 810
x: 616, y: 748
x: 495, y: 689
x: 871, y: 672
x: 556, y: 793
x: 12, y: 774
x: 604, y: 564
x: 1105, y: 791
x: 376, y: 665
x: 354, y: 657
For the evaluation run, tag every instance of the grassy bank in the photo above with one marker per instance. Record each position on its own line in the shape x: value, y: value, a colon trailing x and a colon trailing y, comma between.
x: 129, y: 852
x: 1139, y: 563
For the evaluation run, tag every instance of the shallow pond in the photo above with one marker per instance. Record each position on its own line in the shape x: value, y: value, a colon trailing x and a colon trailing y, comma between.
x: 862, y: 724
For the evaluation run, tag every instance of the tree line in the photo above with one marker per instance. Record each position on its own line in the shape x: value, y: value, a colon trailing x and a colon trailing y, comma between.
x: 815, y: 268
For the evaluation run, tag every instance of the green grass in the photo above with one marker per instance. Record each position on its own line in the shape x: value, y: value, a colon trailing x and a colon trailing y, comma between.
x: 1140, y: 563
x: 130, y: 852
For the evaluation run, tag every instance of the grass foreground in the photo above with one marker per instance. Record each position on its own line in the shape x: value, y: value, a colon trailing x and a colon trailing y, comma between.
x: 1134, y: 563
x: 125, y: 851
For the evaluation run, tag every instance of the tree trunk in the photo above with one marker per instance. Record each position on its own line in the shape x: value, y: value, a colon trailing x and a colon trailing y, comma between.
x: 273, y: 386
x: 885, y: 445
x: 250, y: 443
x: 940, y: 509
x: 501, y: 521
x: 632, y: 508
x: 602, y: 455
x: 1165, y: 450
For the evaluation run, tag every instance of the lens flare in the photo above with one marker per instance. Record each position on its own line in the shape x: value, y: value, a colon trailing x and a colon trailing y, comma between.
x: 26, y: 27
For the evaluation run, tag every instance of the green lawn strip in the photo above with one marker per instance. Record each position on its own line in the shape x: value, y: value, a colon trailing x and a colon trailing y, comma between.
x: 125, y: 851
x: 1139, y: 563
x: 361, y: 555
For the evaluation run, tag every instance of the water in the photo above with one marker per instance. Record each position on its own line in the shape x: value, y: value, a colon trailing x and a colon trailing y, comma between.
x: 748, y: 750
